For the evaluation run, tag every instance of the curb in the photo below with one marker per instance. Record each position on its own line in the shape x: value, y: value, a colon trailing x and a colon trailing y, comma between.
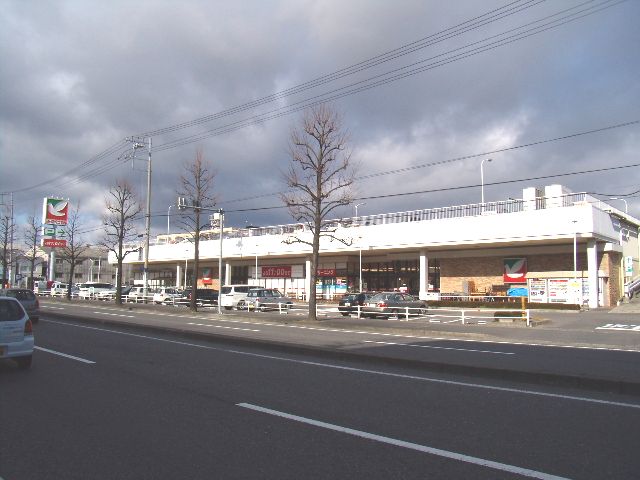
x: 536, y: 378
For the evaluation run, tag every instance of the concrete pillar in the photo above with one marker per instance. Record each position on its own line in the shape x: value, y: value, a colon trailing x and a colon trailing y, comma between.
x: 307, y: 279
x: 178, y: 276
x: 424, y: 275
x: 592, y: 269
x: 52, y: 265
x: 227, y: 274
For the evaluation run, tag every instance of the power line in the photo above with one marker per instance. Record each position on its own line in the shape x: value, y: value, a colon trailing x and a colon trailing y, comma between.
x: 464, y: 27
x: 461, y: 187
x: 399, y: 73
x: 466, y: 157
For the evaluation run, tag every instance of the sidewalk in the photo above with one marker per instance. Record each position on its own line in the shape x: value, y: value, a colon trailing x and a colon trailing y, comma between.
x: 566, y: 330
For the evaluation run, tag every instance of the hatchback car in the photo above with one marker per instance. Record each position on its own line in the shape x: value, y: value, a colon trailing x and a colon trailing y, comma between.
x: 265, y: 299
x: 351, y: 301
x: 28, y: 300
x: 16, y: 332
x: 393, y: 304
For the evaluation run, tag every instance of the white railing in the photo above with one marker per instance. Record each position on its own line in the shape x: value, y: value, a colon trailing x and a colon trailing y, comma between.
x: 632, y: 287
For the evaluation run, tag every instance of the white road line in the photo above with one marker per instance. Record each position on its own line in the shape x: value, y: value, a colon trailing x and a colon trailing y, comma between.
x: 440, y: 348
x: 52, y: 308
x: 360, y: 370
x: 223, y: 327
x: 83, y: 360
x: 620, y: 327
x: 114, y: 314
x: 460, y: 457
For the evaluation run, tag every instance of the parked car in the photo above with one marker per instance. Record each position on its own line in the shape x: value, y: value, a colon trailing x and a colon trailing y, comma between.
x: 166, y: 295
x: 28, y: 300
x: 91, y: 289
x: 230, y: 295
x: 16, y: 332
x: 350, y: 302
x: 111, y: 294
x: 393, y: 304
x: 265, y: 299
x: 204, y: 296
x: 136, y: 294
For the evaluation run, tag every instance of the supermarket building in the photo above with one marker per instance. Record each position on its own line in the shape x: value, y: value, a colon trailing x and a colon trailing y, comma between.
x: 562, y: 247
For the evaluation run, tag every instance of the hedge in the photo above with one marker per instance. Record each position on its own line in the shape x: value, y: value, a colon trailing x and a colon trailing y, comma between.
x: 502, y: 305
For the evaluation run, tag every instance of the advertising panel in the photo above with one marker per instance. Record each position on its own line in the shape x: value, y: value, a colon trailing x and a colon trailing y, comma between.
x: 54, y: 236
x: 55, y: 211
x: 326, y: 272
x: 515, y: 270
x: 280, y: 271
x: 559, y: 291
x: 538, y: 290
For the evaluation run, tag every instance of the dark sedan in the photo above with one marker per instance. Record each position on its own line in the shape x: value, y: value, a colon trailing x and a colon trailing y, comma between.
x: 204, y: 297
x: 351, y: 301
x: 393, y: 304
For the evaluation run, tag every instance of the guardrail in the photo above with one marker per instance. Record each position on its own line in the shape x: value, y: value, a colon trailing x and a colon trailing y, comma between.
x: 433, y: 315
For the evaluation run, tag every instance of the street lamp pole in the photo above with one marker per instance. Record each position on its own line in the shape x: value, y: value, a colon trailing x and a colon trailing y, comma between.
x: 359, y: 251
x: 219, y: 219
x: 482, y: 177
x: 168, y: 217
x: 626, y: 205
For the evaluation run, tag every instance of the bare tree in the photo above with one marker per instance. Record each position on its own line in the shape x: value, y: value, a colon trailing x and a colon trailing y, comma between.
x: 122, y: 209
x: 31, y: 234
x: 73, y: 253
x: 318, y: 180
x: 196, y: 187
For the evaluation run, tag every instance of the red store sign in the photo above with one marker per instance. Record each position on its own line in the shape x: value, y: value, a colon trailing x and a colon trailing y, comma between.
x: 326, y: 272
x: 276, y: 272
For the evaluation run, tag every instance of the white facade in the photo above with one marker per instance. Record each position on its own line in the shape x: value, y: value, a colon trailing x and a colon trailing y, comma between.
x: 542, y: 223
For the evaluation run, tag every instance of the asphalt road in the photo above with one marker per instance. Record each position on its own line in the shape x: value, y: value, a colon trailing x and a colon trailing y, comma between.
x: 593, y: 353
x: 136, y: 404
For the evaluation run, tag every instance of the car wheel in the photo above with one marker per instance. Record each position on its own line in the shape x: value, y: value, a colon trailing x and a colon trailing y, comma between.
x: 262, y: 308
x: 395, y: 313
x: 241, y: 305
x: 228, y: 308
x: 24, y: 362
x: 345, y: 314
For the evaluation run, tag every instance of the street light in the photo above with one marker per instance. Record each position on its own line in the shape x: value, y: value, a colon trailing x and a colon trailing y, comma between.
x: 482, y: 177
x: 626, y: 205
x: 360, y: 250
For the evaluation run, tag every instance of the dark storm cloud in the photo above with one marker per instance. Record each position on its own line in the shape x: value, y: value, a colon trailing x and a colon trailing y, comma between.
x: 82, y: 76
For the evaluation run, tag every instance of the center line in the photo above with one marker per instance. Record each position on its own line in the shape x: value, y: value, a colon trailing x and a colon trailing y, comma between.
x: 412, y: 446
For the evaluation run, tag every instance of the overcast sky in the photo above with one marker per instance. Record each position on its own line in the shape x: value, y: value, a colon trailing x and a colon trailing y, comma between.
x: 78, y: 77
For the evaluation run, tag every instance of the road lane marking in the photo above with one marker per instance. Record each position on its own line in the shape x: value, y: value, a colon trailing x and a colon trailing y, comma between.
x: 114, y: 314
x: 441, y: 348
x: 401, y: 443
x: 52, y: 308
x: 360, y: 370
x: 223, y: 327
x: 620, y: 327
x: 83, y: 360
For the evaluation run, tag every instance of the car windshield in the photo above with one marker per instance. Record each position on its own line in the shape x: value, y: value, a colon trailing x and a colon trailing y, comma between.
x: 10, y: 311
x: 381, y: 297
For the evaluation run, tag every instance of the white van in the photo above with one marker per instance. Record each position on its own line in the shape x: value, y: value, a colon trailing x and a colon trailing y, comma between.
x: 230, y: 295
x: 59, y: 289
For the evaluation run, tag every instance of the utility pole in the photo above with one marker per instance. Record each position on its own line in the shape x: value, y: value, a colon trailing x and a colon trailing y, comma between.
x: 139, y: 142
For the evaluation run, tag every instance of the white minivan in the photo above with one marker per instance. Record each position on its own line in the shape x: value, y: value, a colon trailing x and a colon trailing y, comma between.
x: 230, y: 295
